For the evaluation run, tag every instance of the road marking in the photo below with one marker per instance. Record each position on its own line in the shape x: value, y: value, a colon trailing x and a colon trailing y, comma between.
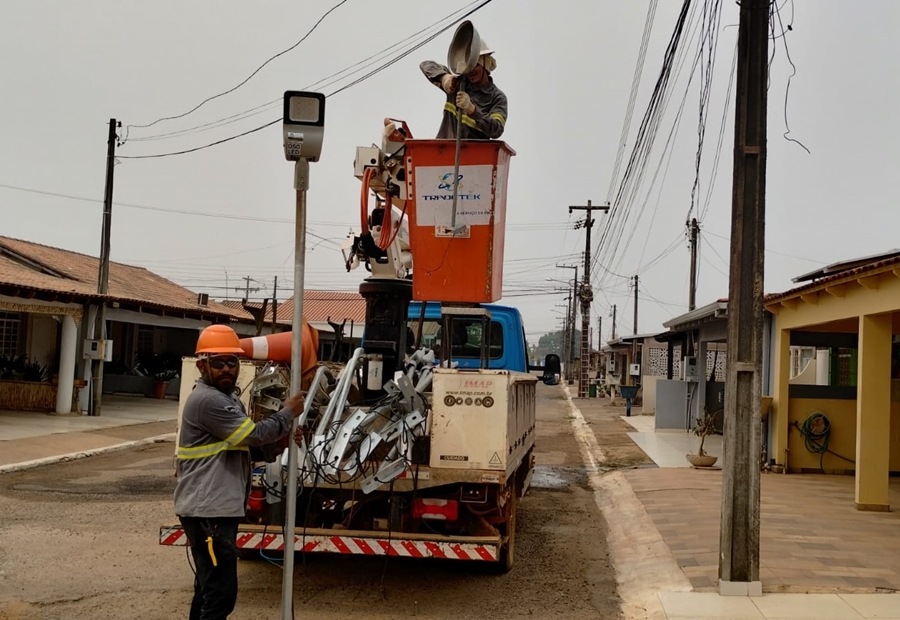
x: 643, y: 562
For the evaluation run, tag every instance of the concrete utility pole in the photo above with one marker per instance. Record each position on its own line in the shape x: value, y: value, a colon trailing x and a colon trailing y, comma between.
x: 103, y: 276
x: 564, y: 345
x: 692, y: 293
x: 570, y: 330
x: 247, y: 290
x: 275, y: 305
x: 739, y: 531
x: 586, y: 295
x: 634, y: 342
x: 614, y: 323
x: 635, y: 305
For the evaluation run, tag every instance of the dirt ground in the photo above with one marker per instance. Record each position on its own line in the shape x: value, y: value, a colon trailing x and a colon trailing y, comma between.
x: 79, y: 541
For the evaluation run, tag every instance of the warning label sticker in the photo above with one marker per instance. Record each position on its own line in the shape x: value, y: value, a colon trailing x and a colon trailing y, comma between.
x: 495, y: 460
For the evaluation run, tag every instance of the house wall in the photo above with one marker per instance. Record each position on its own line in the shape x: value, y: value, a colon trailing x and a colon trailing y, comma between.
x: 41, y: 339
x: 671, y: 403
x: 842, y: 416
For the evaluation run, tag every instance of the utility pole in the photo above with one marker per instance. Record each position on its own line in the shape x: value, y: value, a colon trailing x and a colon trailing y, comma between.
x: 635, y: 305
x: 599, y: 344
x: 692, y: 293
x: 614, y: 323
x: 247, y: 290
x: 103, y: 277
x: 275, y: 305
x: 586, y: 295
x: 564, y: 344
x: 739, y: 528
x: 634, y: 341
x: 570, y: 330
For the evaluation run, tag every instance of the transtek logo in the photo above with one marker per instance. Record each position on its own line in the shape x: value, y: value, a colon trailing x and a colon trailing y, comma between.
x: 445, y: 183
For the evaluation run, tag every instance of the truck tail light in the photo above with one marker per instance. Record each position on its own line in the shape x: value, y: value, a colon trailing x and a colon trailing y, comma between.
x: 441, y: 509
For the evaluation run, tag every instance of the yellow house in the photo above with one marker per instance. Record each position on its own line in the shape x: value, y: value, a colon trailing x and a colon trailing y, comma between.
x: 849, y: 420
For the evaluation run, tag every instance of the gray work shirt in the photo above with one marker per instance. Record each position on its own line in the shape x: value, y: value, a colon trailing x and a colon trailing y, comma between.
x: 489, y: 118
x: 213, y: 464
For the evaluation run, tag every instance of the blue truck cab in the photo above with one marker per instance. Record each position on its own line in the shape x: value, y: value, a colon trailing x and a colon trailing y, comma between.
x: 508, y: 351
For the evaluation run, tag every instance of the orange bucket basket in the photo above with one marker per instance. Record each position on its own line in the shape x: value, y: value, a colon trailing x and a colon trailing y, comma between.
x: 467, y: 267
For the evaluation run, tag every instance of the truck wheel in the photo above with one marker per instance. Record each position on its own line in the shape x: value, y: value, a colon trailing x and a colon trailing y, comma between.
x: 507, y: 551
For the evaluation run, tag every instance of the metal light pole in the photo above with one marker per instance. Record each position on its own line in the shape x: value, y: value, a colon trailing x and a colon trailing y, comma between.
x: 304, y: 121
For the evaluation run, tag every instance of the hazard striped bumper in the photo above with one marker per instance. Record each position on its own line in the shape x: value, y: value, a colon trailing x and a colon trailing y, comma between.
x: 480, y: 548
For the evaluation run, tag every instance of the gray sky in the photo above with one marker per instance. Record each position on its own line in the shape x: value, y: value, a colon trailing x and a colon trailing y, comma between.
x: 566, y: 67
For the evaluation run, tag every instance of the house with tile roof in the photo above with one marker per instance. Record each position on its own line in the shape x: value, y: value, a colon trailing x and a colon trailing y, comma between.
x: 48, y: 306
x: 841, y: 415
x: 830, y: 374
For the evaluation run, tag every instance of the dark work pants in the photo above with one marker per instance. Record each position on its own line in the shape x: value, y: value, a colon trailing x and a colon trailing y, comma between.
x: 215, y: 587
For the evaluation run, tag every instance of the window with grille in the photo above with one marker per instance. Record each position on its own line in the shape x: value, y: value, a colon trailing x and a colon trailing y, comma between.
x: 10, y: 323
x: 145, y: 339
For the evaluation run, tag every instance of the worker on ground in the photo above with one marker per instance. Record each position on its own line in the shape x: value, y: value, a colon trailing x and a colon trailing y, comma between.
x: 483, y: 105
x: 213, y: 469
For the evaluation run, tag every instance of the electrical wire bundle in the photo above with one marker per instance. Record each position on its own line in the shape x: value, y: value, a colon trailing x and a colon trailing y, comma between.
x: 370, y: 447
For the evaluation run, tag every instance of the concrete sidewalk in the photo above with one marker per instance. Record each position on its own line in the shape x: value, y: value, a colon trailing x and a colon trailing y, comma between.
x: 28, y: 438
x: 652, y: 582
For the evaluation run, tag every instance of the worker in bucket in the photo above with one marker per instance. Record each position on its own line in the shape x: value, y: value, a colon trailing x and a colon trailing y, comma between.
x: 213, y: 468
x: 483, y: 105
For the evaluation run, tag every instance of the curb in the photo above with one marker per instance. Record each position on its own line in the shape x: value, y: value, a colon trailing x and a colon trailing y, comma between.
x: 642, y: 561
x: 74, y: 456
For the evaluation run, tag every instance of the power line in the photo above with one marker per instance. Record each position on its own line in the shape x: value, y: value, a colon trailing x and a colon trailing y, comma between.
x: 126, y: 205
x: 787, y: 90
x: 331, y: 94
x: 632, y: 97
x: 631, y: 187
x: 277, y: 102
x: 248, y: 78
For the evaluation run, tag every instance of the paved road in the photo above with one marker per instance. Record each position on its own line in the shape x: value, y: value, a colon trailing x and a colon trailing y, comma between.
x: 79, y: 541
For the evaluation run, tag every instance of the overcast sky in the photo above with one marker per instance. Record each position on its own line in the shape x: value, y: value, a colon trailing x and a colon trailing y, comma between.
x: 566, y: 67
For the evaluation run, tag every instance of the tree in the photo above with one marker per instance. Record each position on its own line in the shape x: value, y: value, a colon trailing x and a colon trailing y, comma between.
x: 552, y: 342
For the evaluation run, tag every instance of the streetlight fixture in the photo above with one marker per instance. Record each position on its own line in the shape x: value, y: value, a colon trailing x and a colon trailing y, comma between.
x: 303, y: 129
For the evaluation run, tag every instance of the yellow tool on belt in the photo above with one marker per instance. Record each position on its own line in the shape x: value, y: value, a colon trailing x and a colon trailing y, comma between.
x: 209, y: 544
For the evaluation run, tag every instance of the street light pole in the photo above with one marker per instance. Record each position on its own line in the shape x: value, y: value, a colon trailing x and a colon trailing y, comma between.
x: 304, y: 124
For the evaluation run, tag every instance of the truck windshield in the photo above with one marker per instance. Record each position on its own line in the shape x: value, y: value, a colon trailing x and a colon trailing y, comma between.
x: 466, y: 338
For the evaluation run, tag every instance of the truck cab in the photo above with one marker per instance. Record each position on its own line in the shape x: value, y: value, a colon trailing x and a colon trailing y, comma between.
x: 508, y: 349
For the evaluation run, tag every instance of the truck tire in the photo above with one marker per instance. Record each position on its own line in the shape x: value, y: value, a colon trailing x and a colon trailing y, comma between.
x: 507, y: 551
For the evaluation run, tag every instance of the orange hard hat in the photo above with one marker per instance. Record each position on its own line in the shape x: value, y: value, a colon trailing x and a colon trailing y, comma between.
x: 218, y: 339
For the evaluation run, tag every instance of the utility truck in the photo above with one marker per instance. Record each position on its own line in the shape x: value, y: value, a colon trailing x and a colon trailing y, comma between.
x: 422, y: 444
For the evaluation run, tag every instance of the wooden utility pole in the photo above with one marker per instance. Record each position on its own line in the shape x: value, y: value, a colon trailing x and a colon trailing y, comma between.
x: 694, y: 236
x: 103, y: 276
x: 614, y: 323
x: 739, y: 531
x: 586, y: 295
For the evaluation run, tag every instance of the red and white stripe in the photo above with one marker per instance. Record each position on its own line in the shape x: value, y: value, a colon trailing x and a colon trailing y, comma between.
x: 351, y: 545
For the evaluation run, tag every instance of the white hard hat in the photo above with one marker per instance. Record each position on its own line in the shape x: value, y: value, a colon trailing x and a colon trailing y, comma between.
x: 486, y: 57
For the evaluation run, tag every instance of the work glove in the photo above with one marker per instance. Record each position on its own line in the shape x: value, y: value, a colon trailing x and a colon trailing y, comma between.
x: 448, y: 83
x: 464, y: 103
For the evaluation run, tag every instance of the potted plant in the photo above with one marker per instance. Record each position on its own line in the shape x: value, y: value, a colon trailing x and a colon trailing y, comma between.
x: 704, y: 428
x: 161, y: 383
